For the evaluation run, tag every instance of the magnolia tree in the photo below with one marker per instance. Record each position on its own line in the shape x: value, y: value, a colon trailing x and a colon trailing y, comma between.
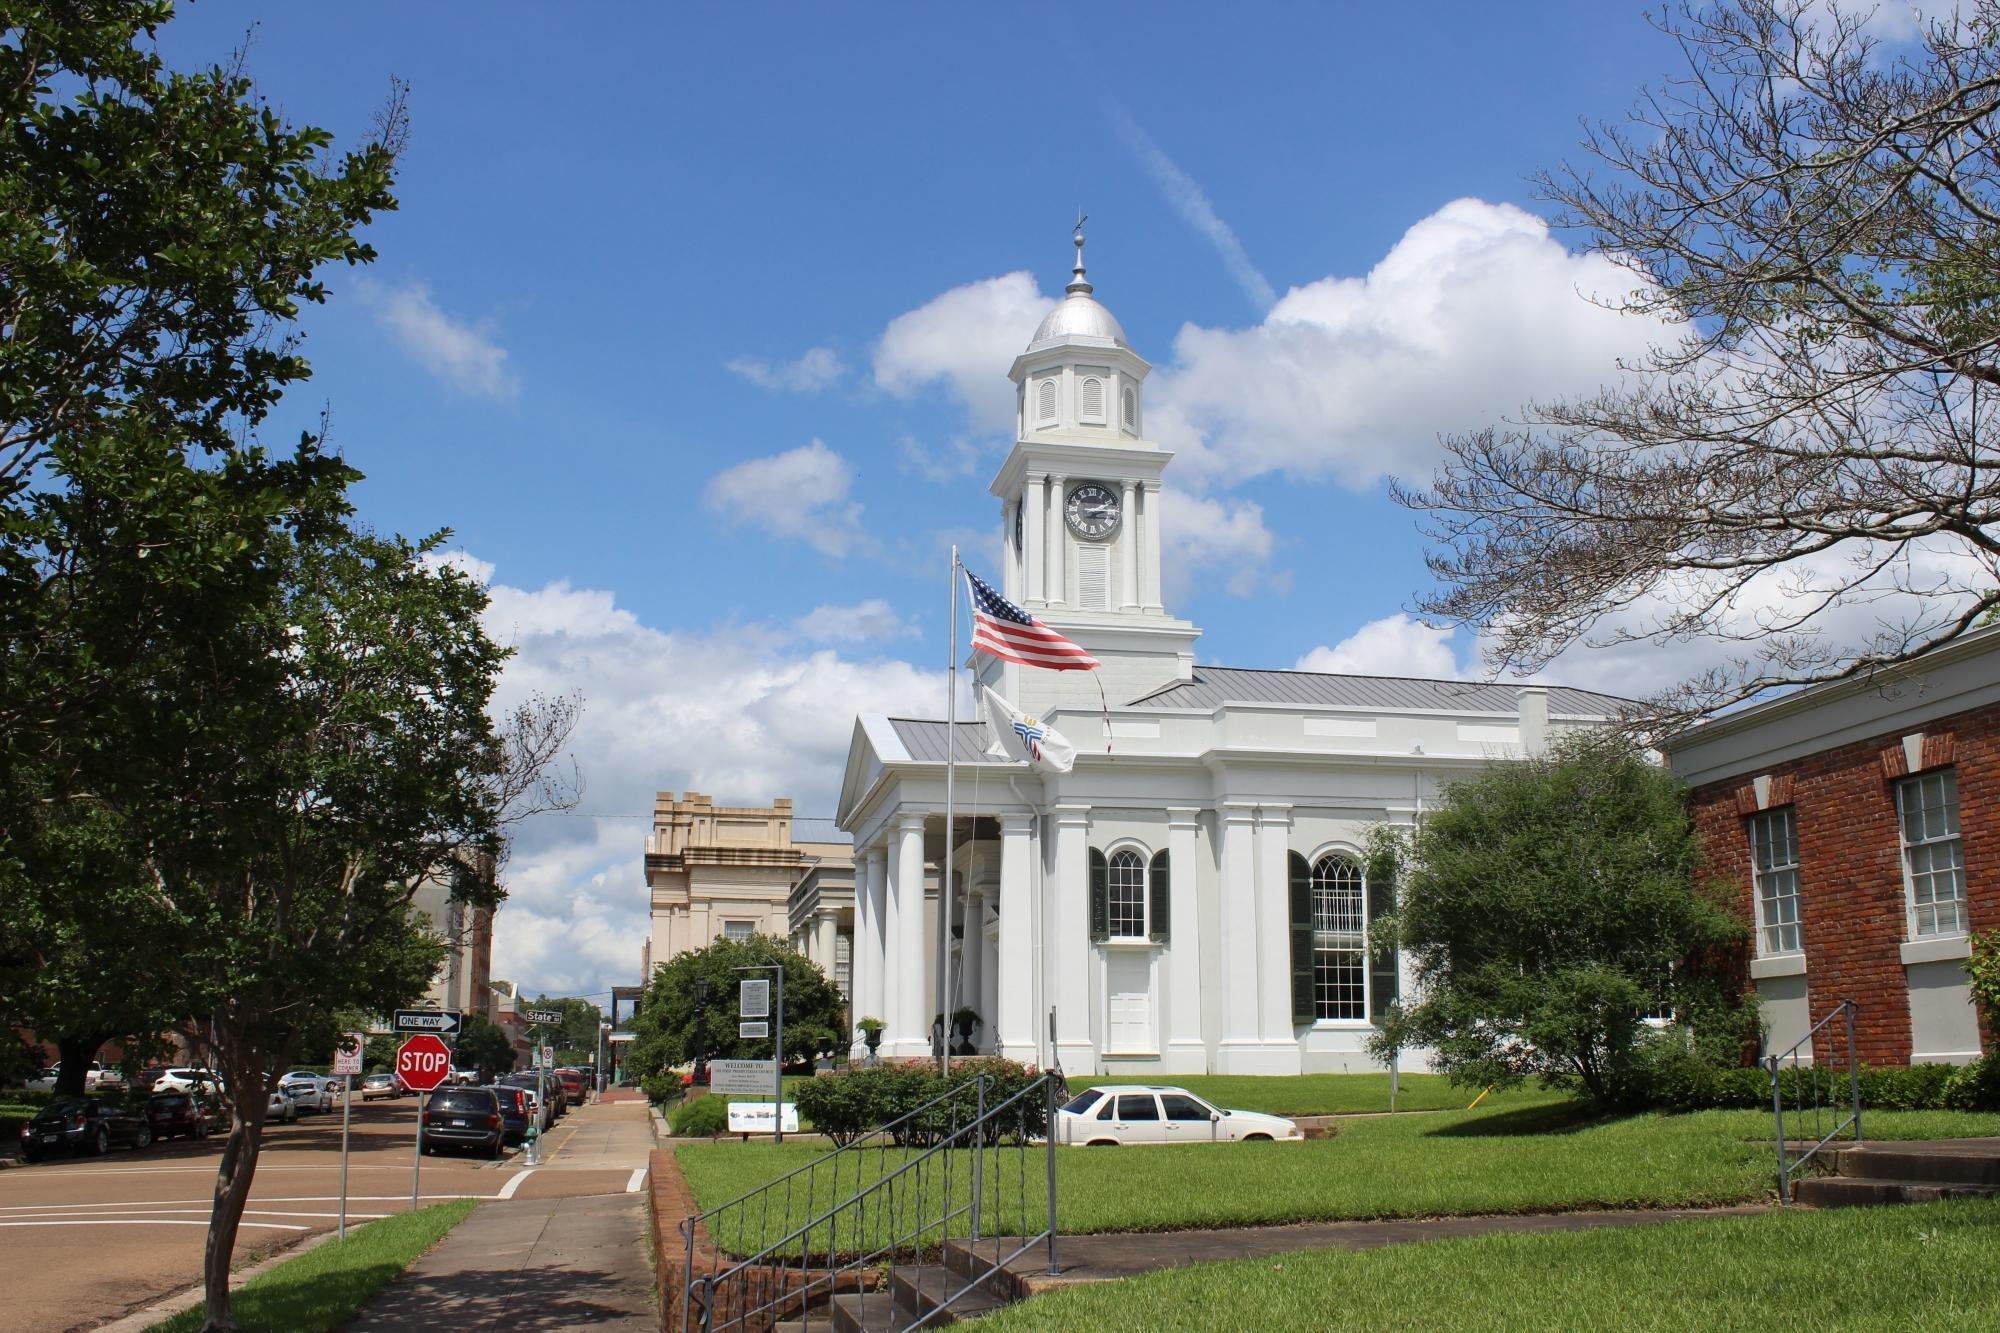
x: 1557, y: 921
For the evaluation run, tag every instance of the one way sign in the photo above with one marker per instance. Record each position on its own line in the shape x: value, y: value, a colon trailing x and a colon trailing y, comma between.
x: 445, y: 1022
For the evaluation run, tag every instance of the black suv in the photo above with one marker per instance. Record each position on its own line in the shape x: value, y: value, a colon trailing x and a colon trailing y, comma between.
x: 464, y: 1118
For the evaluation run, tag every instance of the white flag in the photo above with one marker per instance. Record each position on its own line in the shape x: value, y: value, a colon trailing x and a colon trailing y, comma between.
x: 1015, y: 735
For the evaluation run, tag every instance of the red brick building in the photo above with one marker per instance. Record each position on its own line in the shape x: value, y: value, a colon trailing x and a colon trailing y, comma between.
x: 1860, y: 824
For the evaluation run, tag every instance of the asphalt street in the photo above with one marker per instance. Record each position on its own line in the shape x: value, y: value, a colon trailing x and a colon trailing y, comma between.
x: 90, y: 1239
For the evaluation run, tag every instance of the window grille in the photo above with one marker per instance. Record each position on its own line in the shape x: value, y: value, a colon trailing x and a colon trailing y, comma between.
x: 738, y: 930
x: 1340, y: 963
x: 1045, y: 401
x: 1933, y: 857
x: 1093, y: 400
x: 1128, y: 896
x: 1129, y: 404
x: 1774, y: 861
x: 1093, y: 576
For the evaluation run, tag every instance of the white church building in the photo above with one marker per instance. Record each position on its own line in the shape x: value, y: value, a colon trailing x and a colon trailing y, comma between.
x: 1191, y: 898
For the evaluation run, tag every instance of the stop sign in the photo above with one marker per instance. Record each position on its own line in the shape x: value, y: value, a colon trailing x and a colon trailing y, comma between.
x: 423, y: 1062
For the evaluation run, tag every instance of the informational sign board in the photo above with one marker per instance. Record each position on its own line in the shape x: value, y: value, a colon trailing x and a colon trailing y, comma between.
x: 753, y: 999
x: 423, y: 1062
x: 545, y: 1015
x: 548, y: 1057
x: 742, y: 1075
x: 443, y: 1021
x: 757, y: 1029
x: 347, y: 1054
x: 757, y: 1118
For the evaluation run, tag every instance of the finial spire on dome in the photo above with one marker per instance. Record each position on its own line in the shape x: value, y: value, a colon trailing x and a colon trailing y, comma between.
x: 1078, y: 284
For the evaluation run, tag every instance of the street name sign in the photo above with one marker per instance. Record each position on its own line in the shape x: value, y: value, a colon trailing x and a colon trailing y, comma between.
x: 545, y: 1015
x: 757, y: 1029
x: 423, y: 1062
x: 742, y: 1075
x: 753, y: 999
x: 444, y: 1021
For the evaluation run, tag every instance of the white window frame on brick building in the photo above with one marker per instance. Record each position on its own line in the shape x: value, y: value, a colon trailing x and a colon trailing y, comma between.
x: 1774, y: 869
x: 1933, y: 854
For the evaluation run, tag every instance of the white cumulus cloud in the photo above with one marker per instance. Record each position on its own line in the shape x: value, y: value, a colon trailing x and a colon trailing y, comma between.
x: 801, y: 494
x: 815, y: 369
x: 964, y: 339
x: 460, y: 354
x: 1392, y: 646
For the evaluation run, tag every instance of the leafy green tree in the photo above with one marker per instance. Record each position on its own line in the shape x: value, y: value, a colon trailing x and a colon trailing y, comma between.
x: 485, y: 1046
x: 1551, y: 908
x: 665, y: 1032
x: 575, y: 1040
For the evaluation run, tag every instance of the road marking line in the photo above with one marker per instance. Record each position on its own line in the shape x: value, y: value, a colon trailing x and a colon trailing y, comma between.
x: 293, y: 1198
x: 153, y: 1222
x: 637, y: 1182
x: 507, y: 1190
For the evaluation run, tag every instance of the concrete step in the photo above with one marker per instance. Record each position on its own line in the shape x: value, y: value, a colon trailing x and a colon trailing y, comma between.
x: 1849, y: 1192
x: 872, y: 1312
x: 968, y: 1260
x: 1889, y: 1162
x: 924, y: 1292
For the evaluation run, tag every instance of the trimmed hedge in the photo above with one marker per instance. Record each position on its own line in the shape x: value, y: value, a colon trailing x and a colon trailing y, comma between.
x: 846, y: 1106
x: 663, y: 1089
x: 1681, y: 1082
x: 701, y: 1118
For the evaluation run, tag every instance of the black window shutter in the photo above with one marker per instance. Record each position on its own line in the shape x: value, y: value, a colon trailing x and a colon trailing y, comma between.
x: 1382, y: 979
x: 1303, y: 1008
x: 1100, y: 896
x: 1158, y: 882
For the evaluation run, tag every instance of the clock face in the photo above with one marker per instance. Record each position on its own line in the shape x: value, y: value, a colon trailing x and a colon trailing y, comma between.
x: 1092, y: 510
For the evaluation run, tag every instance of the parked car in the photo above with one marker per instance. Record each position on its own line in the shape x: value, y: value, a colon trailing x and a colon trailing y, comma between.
x: 282, y: 1108
x: 517, y: 1109
x: 187, y: 1078
x: 1132, y: 1113
x: 183, y: 1115
x: 575, y: 1087
x: 380, y: 1085
x: 98, y: 1078
x: 543, y: 1113
x: 84, y: 1125
x: 308, y: 1091
x: 144, y: 1080
x: 465, y: 1118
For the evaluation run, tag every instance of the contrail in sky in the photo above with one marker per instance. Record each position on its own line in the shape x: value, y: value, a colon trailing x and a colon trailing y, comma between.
x: 1191, y: 202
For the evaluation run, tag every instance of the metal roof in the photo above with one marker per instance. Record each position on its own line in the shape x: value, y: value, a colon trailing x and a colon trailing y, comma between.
x: 1214, y: 686
x: 925, y: 741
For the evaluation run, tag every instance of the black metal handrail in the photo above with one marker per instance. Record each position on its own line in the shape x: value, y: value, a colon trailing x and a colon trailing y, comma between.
x: 1788, y: 1163
x: 908, y: 1211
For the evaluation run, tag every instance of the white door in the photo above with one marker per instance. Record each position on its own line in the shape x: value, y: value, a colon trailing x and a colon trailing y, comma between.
x: 1128, y: 977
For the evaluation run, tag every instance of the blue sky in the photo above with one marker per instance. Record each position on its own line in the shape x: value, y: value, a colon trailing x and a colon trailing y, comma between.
x: 634, y: 336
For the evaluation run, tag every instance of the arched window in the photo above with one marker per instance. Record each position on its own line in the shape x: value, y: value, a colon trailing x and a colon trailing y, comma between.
x: 1128, y: 896
x: 1340, y: 927
x: 1045, y: 401
x: 1092, y: 395
x: 1129, y: 405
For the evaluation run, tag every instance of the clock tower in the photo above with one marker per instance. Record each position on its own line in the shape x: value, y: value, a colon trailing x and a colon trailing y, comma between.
x: 1080, y: 512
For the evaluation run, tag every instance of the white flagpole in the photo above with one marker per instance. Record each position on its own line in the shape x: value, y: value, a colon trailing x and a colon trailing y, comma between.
x: 944, y: 881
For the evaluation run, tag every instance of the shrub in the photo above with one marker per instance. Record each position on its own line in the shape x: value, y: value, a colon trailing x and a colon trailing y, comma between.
x: 847, y: 1106
x: 700, y: 1118
x: 1974, y: 1087
x: 662, y: 1089
x: 1680, y: 1081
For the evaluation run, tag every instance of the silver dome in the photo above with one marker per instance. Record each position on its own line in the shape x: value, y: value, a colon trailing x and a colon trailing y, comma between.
x: 1079, y: 316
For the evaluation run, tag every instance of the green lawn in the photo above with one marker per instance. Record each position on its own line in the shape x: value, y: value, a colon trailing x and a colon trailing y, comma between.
x: 323, y: 1288
x: 1332, y: 1094
x: 1921, y: 1267
x: 1537, y: 1158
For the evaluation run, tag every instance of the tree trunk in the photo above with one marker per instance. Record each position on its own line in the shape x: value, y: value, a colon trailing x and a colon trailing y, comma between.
x: 76, y: 1053
x: 233, y: 1177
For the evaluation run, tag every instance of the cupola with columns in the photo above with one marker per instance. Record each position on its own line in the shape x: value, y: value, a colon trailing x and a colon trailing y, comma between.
x: 1080, y: 511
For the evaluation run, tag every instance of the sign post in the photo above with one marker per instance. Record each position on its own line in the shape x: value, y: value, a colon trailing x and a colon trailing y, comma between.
x: 346, y: 1064
x: 422, y: 1063
x: 755, y: 999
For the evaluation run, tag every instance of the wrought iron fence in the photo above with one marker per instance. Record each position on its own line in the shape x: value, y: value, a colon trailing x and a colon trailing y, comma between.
x: 953, y: 1171
x: 1816, y: 1093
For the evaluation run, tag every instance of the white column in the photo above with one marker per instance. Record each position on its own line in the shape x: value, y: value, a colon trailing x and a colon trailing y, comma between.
x: 1185, y: 1051
x: 1010, y: 558
x: 870, y: 919
x: 1033, y: 551
x: 971, y: 958
x: 828, y: 958
x: 1237, y: 934
x: 1070, y: 960
x: 1015, y: 1010
x: 989, y: 988
x: 1128, y: 552
x: 1150, y: 574
x: 1056, y: 581
x: 909, y: 1022
x: 1274, y: 927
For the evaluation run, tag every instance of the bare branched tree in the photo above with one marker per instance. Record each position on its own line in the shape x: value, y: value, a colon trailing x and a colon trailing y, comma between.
x: 1807, y: 478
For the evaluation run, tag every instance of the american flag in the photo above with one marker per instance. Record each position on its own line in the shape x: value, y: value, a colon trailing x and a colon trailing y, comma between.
x: 1002, y: 629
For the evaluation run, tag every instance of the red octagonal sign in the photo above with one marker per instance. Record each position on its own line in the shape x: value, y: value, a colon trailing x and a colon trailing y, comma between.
x: 423, y: 1062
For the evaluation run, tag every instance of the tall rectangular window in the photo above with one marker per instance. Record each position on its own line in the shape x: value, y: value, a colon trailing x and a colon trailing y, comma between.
x: 1774, y: 862
x: 1933, y: 857
x: 1340, y: 927
x: 738, y: 930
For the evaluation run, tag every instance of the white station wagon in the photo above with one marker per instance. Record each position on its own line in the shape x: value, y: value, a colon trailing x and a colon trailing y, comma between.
x: 1139, y: 1113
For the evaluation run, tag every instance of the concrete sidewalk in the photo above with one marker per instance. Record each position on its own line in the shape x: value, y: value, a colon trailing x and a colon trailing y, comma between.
x: 529, y: 1264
